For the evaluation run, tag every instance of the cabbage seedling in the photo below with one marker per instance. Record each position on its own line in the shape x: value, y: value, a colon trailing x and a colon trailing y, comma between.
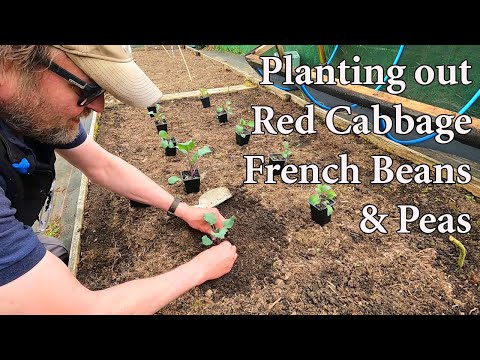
x: 216, y: 233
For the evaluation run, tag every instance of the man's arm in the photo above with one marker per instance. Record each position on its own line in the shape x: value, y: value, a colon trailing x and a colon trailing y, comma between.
x: 50, y: 288
x: 113, y: 173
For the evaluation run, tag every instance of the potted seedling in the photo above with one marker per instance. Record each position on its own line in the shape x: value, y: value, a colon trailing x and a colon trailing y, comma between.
x: 321, y: 204
x: 280, y: 159
x: 160, y: 118
x: 161, y: 122
x: 217, y: 234
x: 205, y: 97
x: 242, y: 134
x: 168, y: 143
x: 152, y: 110
x: 223, y: 111
x: 190, y: 177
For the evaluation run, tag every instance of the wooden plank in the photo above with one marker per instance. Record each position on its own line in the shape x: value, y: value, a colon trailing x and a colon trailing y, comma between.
x: 196, y: 93
x: 382, y: 142
x: 192, y: 94
x: 74, y: 254
x: 261, y: 49
x: 417, y: 106
x: 280, y: 51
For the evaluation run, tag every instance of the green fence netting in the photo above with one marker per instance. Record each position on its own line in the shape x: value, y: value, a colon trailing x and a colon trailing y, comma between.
x: 450, y: 97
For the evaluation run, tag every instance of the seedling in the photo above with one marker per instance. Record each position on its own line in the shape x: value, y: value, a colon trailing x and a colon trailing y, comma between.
x: 216, y: 233
x: 463, y: 251
x: 160, y: 116
x: 166, y: 141
x: 240, y: 128
x: 154, y: 109
x: 226, y: 107
x: 286, y: 151
x: 204, y: 93
x: 324, y: 195
x: 187, y: 148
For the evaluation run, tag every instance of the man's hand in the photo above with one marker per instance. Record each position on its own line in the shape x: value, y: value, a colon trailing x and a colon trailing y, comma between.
x: 215, y: 261
x: 194, y: 217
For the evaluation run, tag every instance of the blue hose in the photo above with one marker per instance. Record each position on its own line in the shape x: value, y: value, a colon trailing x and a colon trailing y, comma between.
x: 333, y: 54
x: 260, y: 72
x: 470, y: 103
x: 428, y: 137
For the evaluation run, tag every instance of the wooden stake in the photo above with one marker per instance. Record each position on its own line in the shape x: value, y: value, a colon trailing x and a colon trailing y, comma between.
x: 166, y: 50
x: 321, y: 54
x: 181, y: 52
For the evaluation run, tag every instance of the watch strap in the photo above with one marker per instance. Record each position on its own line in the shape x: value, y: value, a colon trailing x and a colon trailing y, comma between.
x: 171, y: 210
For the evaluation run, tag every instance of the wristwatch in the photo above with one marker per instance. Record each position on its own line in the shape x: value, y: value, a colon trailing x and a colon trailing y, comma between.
x: 171, y: 210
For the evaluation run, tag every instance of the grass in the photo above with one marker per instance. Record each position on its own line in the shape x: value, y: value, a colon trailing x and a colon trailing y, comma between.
x: 53, y: 229
x: 97, y: 127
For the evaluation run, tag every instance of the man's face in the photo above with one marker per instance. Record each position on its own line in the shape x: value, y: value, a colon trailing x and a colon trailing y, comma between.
x: 45, y: 107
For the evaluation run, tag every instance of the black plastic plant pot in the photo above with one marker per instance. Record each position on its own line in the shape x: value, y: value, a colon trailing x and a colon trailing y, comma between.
x: 192, y: 183
x: 205, y: 102
x: 171, y: 151
x: 319, y: 213
x: 138, y: 205
x: 242, y: 140
x: 222, y: 117
x: 276, y: 159
x: 152, y: 110
x: 161, y: 126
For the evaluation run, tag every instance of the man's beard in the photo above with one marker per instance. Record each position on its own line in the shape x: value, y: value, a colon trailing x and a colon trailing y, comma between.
x: 26, y: 114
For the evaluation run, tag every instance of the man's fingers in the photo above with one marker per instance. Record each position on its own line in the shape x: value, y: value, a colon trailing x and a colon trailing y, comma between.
x: 220, y: 219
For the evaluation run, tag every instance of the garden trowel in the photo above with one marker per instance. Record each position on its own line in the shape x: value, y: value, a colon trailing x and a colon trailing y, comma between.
x: 214, y: 197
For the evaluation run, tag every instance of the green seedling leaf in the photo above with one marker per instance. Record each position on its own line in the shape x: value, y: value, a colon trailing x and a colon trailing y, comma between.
x: 239, y: 129
x: 228, y: 223
x: 220, y: 234
x: 173, y: 179
x: 330, y: 194
x: 164, y: 143
x: 206, y: 240
x: 324, y: 194
x: 314, y: 199
x: 204, y: 93
x: 329, y: 210
x: 286, y: 152
x: 187, y: 146
x: 203, y: 151
x: 210, y: 218
x: 163, y: 134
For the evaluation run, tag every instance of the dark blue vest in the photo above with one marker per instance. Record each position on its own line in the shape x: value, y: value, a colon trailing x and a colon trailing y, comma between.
x: 27, y: 187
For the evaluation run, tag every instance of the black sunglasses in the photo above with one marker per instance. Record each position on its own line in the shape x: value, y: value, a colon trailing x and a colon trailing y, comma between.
x: 89, y: 91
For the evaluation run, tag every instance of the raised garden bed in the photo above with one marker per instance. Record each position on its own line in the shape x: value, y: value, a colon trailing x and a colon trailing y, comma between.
x: 287, y: 263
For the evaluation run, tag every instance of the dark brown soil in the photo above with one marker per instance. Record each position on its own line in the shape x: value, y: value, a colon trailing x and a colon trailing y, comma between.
x: 287, y: 264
